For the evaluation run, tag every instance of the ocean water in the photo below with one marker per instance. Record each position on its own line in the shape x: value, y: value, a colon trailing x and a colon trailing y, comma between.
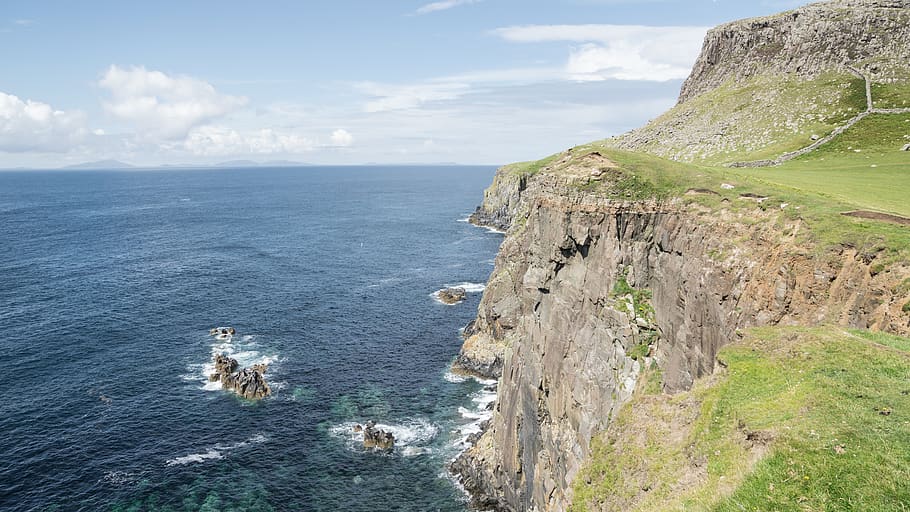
x: 110, y: 282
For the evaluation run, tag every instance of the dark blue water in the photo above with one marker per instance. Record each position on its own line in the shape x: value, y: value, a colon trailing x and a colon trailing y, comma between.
x: 110, y: 281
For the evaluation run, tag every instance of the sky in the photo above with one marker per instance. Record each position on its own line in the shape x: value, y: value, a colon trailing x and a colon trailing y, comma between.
x: 342, y: 82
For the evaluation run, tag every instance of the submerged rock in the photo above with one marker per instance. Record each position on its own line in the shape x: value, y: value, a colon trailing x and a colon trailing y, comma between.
x: 374, y: 437
x: 248, y: 382
x: 452, y: 295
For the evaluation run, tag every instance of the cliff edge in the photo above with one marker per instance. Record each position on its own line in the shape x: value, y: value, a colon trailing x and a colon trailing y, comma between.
x: 623, y: 267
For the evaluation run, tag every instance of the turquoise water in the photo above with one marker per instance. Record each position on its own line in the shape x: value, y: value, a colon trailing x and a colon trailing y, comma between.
x: 110, y: 281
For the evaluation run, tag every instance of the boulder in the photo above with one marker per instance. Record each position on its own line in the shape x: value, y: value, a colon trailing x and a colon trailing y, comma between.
x: 375, y: 437
x: 451, y: 295
x: 906, y: 148
x: 224, y: 366
x: 248, y: 382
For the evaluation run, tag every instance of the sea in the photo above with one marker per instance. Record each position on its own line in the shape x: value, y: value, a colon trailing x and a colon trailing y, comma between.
x: 111, y: 280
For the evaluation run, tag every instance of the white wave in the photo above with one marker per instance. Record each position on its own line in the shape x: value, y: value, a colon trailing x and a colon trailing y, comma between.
x: 211, y: 454
x: 471, y: 415
x: 469, y: 287
x: 484, y: 398
x: 475, y: 416
x: 120, y: 477
x: 466, y: 220
x: 454, y: 377
x: 411, y: 436
x: 216, y: 452
x: 494, y: 230
x: 212, y: 386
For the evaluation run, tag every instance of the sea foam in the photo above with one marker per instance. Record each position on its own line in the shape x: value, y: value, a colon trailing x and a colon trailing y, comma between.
x: 411, y: 435
x: 215, y: 452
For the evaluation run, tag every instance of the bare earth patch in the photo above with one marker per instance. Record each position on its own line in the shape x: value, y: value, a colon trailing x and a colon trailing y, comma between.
x: 885, y: 217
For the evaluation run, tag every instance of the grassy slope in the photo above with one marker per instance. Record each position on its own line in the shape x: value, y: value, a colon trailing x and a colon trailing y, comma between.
x: 760, y: 118
x: 827, y: 411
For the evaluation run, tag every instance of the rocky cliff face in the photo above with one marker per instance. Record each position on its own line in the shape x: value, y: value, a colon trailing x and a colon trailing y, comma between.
x: 567, y: 342
x: 568, y: 345
x: 807, y: 41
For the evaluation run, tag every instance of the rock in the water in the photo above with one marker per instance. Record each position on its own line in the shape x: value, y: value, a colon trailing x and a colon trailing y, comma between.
x: 222, y: 331
x: 451, y: 295
x: 374, y: 437
x: 248, y: 382
x: 224, y: 366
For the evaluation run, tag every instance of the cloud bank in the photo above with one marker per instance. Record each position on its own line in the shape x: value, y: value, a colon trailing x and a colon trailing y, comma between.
x: 620, y: 52
x: 35, y: 126
x: 163, y: 106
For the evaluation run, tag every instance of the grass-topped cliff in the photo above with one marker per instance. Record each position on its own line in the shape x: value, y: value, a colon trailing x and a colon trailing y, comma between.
x: 795, y: 419
x: 808, y: 410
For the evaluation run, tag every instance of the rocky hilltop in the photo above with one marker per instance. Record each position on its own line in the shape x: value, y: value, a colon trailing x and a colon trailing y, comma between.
x: 871, y: 35
x: 601, y: 278
x: 765, y: 86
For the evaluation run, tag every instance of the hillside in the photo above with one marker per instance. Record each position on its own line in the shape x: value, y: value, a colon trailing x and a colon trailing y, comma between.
x: 766, y: 86
x: 673, y: 333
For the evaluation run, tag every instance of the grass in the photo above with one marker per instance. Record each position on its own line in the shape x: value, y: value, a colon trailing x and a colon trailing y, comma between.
x: 754, y: 119
x: 802, y: 419
x: 891, y: 95
x: 816, y: 189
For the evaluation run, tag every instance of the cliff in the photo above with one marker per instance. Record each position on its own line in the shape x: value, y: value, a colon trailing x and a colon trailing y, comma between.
x: 867, y: 34
x: 617, y: 264
x: 566, y: 341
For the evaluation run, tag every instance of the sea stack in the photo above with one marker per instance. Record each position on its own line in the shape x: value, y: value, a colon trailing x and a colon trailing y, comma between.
x: 248, y: 382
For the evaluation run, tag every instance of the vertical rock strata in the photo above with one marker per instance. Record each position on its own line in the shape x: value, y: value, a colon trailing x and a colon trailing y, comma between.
x: 564, y: 340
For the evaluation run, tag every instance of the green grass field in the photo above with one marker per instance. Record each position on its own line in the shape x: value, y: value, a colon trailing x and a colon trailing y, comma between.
x: 864, y: 167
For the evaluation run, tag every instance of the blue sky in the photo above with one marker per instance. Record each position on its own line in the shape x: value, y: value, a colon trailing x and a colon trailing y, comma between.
x: 342, y: 82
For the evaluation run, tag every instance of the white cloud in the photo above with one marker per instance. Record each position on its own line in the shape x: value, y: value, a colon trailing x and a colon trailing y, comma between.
x: 342, y: 138
x: 622, y: 52
x: 385, y: 97
x: 443, y: 5
x: 164, y: 106
x: 222, y: 141
x: 34, y: 126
